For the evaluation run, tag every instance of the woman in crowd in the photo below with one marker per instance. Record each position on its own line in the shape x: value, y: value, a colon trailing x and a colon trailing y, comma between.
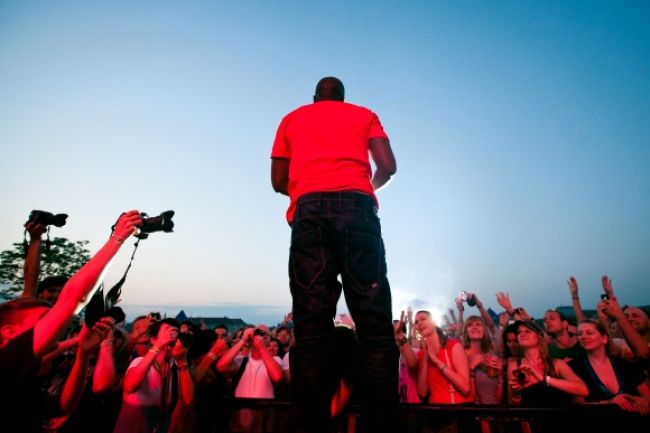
x: 443, y: 371
x: 609, y: 380
x: 485, y: 365
x: 535, y: 378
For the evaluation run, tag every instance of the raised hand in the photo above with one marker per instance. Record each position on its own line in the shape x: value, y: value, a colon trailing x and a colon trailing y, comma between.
x: 573, y: 286
x: 503, y: 299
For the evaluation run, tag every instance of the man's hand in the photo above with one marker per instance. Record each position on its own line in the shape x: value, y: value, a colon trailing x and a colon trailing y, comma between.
x: 573, y: 287
x: 127, y: 224
x: 35, y: 230
x: 503, y: 299
x: 89, y: 339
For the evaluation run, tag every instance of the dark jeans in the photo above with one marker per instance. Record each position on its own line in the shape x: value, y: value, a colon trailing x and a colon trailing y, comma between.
x: 338, y: 233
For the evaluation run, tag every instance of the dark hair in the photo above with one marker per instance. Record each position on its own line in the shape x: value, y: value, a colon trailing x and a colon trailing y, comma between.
x: 559, y: 313
x: 155, y: 327
x: 203, y: 341
x: 509, y: 329
x: 220, y: 326
x: 57, y: 281
x: 329, y: 89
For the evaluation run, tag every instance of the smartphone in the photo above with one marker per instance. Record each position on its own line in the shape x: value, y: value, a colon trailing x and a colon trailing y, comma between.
x: 604, y: 297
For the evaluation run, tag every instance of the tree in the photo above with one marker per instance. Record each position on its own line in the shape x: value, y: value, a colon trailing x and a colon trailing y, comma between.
x: 63, y: 258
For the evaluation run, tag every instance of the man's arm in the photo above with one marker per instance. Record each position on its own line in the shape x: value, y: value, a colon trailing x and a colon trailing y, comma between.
x: 382, y: 155
x: 50, y: 328
x: 33, y: 259
x: 280, y: 175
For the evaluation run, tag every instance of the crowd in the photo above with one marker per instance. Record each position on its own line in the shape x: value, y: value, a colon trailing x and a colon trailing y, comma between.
x: 164, y: 376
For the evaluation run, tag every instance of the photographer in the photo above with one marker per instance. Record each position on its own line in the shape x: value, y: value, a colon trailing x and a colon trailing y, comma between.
x: 150, y: 381
x: 30, y: 328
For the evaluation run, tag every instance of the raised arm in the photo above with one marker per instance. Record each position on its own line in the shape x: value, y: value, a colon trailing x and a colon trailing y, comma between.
x: 226, y: 363
x: 50, y: 328
x: 32, y: 265
x: 89, y: 341
x: 185, y: 382
x: 402, y: 342
x: 382, y: 155
x: 485, y: 315
x: 575, y: 299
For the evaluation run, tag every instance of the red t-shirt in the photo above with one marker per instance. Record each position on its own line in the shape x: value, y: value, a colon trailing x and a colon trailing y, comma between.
x: 327, y: 145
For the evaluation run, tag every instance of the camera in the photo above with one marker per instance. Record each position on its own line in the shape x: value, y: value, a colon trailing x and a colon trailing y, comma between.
x: 521, y: 377
x: 260, y: 332
x: 154, y: 316
x: 47, y: 218
x: 185, y: 339
x: 160, y: 223
x: 466, y: 297
x: 604, y: 297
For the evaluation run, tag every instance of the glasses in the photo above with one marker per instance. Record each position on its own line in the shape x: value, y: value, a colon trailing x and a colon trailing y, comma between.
x: 260, y: 332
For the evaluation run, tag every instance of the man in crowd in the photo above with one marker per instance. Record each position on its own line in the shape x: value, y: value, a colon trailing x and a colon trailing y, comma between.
x: 320, y: 160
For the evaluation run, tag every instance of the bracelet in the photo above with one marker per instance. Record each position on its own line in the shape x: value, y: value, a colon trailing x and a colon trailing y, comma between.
x: 182, y: 367
x: 575, y: 298
x: 547, y: 380
x: 443, y: 367
x: 120, y: 240
x: 211, y: 355
x: 402, y: 341
x: 107, y: 342
x: 155, y: 350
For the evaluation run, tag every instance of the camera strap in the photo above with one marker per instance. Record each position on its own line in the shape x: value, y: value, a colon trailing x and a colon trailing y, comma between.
x: 113, y: 295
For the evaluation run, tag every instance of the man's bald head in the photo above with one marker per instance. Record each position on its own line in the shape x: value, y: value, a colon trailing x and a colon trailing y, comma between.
x: 329, y: 89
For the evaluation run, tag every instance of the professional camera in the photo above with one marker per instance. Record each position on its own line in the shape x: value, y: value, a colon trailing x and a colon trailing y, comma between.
x: 160, y: 223
x: 47, y: 218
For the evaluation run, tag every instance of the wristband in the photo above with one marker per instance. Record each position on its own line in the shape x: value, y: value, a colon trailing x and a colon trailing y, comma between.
x: 182, y: 367
x: 120, y: 240
x: 547, y: 380
x: 155, y: 350
x: 212, y: 356
x: 443, y: 367
x: 402, y: 341
x: 107, y: 342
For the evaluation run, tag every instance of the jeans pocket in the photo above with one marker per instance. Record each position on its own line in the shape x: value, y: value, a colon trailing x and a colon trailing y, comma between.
x: 364, y: 258
x: 307, y: 257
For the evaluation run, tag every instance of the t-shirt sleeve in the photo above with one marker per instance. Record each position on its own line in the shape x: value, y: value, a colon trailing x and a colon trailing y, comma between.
x: 281, y: 148
x: 376, y: 130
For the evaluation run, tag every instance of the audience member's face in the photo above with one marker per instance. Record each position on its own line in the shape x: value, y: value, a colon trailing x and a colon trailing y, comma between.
x: 29, y: 317
x: 553, y: 323
x: 638, y: 319
x: 475, y: 330
x: 222, y: 334
x: 185, y: 328
x: 512, y: 342
x: 589, y: 337
x: 423, y: 324
x: 526, y: 337
x: 273, y: 348
x: 51, y: 294
x: 141, y: 327
x: 284, y: 337
x: 267, y: 334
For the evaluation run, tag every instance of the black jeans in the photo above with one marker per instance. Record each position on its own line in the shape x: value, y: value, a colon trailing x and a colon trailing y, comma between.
x: 338, y: 233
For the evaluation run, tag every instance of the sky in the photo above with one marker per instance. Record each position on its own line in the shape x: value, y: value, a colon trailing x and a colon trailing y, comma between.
x: 520, y: 130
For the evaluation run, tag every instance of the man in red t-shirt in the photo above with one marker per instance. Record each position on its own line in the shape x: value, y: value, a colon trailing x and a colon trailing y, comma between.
x: 320, y: 159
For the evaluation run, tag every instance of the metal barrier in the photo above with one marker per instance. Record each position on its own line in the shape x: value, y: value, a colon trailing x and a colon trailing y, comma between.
x: 272, y: 416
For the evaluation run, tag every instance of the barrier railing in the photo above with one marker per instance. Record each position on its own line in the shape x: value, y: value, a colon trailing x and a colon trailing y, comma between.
x: 272, y: 416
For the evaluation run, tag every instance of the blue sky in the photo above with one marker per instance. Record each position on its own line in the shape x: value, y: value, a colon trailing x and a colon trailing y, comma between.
x: 520, y: 129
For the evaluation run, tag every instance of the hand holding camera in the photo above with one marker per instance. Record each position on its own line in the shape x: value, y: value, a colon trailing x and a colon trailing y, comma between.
x: 526, y: 376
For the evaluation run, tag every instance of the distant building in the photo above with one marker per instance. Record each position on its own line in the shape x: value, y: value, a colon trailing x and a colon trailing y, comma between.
x: 211, y: 322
